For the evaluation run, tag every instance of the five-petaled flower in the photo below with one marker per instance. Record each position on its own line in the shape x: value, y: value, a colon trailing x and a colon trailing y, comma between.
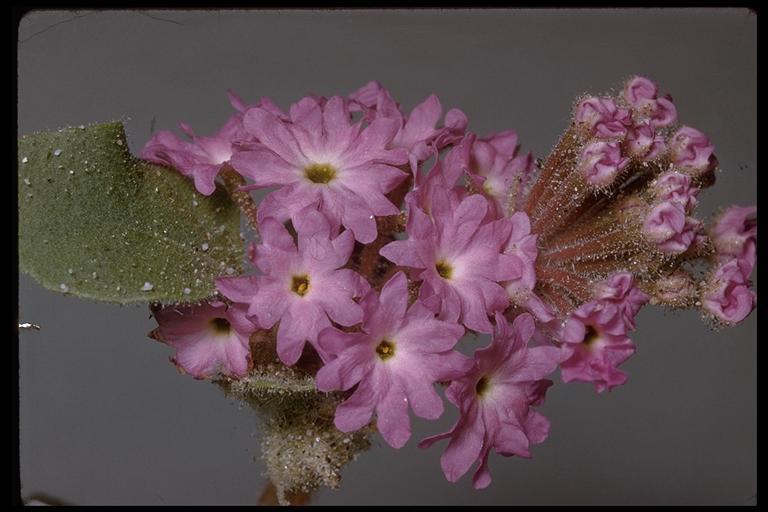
x: 462, y: 258
x: 319, y: 157
x: 203, y: 158
x: 394, y: 362
x: 303, y: 287
x: 496, y: 399
x: 209, y: 338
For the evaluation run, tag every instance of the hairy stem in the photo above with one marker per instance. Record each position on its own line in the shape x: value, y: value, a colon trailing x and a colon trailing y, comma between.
x: 232, y: 182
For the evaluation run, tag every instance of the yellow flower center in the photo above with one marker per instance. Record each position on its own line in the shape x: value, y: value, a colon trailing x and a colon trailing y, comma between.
x: 300, y: 285
x: 320, y: 173
x: 444, y: 269
x: 385, y: 350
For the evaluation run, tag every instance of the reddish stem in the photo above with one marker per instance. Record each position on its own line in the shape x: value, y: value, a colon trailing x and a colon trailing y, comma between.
x: 232, y: 182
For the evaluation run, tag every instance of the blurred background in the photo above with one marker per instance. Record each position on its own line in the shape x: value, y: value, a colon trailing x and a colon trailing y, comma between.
x: 106, y: 419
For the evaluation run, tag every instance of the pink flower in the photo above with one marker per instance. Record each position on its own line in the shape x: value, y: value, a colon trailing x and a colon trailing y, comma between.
x: 638, y: 90
x: 667, y: 227
x: 209, y: 338
x: 727, y: 295
x: 394, y: 362
x: 443, y: 175
x: 201, y: 159
x: 643, y: 142
x: 496, y: 400
x: 734, y: 235
x: 495, y: 168
x: 365, y: 99
x: 691, y: 151
x: 418, y: 132
x: 454, y: 125
x: 522, y: 244
x: 664, y: 112
x: 238, y: 104
x: 674, y: 186
x: 641, y: 94
x: 619, y: 291
x: 320, y: 158
x: 462, y: 258
x: 594, y: 345
x: 301, y: 288
x: 600, y: 162
x: 603, y: 118
x: 594, y: 341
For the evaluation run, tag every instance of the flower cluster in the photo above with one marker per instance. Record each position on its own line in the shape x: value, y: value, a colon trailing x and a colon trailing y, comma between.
x: 374, y: 267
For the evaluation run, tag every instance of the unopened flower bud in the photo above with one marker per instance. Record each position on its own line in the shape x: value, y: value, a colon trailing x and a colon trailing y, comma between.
x: 641, y: 94
x: 667, y: 227
x: 643, y: 142
x: 691, y: 151
x: 734, y: 235
x: 675, y: 186
x: 726, y: 295
x: 603, y: 118
x: 601, y: 162
x: 665, y: 112
x: 638, y: 90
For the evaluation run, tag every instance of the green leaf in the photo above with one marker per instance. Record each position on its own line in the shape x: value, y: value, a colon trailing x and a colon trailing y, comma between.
x: 97, y: 223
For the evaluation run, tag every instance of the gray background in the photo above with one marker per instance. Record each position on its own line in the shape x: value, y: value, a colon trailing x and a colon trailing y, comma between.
x: 105, y: 418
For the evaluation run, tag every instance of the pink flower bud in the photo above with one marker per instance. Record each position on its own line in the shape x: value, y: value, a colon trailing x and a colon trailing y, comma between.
x: 643, y: 142
x: 736, y: 221
x: 641, y: 94
x: 619, y: 290
x: 603, y: 118
x: 734, y: 235
x: 727, y: 295
x: 601, y: 162
x: 691, y: 151
x: 664, y: 113
x: 674, y: 186
x: 667, y: 227
x: 638, y: 90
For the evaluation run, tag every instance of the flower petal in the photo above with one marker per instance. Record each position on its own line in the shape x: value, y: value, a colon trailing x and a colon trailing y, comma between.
x: 274, y: 135
x: 392, y: 416
x: 465, y: 446
x: 264, y: 167
x: 346, y: 370
x: 356, y: 411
